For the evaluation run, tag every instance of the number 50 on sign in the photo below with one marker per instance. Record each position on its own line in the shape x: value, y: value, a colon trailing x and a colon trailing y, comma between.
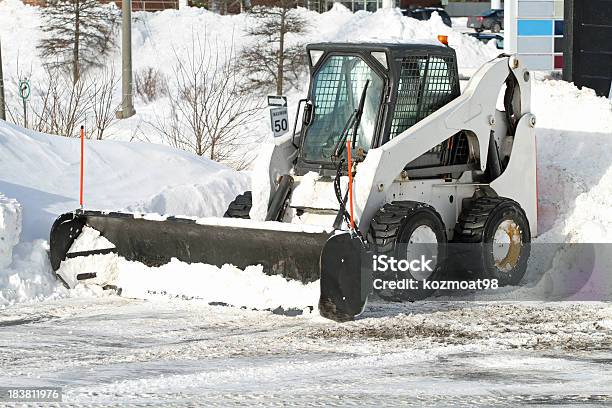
x: 279, y: 121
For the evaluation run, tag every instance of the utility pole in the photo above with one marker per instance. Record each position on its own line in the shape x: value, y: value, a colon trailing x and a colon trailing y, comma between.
x: 127, y: 104
x: 2, y: 104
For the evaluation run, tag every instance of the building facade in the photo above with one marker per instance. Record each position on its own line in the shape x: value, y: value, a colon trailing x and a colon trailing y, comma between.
x: 137, y: 5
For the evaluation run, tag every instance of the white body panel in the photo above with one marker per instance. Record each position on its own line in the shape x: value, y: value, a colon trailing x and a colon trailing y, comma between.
x: 475, y: 111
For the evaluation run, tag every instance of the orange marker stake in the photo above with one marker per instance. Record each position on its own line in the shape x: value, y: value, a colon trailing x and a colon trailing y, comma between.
x: 350, y: 175
x: 82, y: 155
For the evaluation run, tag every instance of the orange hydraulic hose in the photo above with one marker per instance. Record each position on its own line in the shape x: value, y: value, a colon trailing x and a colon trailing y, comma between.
x: 350, y: 186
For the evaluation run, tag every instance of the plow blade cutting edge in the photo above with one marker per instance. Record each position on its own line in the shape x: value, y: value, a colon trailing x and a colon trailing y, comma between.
x: 338, y: 259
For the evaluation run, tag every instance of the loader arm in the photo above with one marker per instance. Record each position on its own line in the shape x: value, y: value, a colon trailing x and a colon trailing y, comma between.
x: 473, y: 111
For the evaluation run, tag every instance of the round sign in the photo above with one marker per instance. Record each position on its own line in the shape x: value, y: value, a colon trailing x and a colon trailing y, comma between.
x: 24, y: 89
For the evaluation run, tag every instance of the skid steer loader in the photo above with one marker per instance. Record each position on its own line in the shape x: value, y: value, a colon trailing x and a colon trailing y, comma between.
x: 390, y: 153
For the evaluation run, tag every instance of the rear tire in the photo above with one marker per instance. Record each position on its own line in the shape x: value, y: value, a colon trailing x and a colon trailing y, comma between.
x: 394, y: 231
x: 240, y: 207
x: 499, y: 230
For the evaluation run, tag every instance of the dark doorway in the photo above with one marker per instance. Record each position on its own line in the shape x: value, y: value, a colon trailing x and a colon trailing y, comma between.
x: 588, y: 45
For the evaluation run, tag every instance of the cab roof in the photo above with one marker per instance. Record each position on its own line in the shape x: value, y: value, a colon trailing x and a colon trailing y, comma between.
x: 395, y: 50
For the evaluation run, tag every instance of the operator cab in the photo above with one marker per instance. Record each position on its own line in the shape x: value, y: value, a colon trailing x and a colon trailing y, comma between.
x: 375, y: 91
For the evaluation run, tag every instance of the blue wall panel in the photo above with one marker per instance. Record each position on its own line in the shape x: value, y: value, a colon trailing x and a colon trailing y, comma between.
x: 535, y: 27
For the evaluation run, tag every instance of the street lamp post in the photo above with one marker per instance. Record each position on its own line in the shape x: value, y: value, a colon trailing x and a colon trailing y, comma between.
x: 127, y: 103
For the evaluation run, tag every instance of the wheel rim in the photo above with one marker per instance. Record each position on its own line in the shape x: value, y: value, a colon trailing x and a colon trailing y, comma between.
x: 422, y: 242
x: 507, y: 245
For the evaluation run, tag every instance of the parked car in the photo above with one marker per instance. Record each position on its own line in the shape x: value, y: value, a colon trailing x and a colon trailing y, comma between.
x: 489, y: 20
x: 485, y: 38
x: 424, y: 13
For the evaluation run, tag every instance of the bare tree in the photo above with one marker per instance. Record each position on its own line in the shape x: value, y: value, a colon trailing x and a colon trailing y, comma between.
x: 79, y: 34
x: 271, y: 61
x: 209, y: 115
x: 150, y: 84
x: 103, y: 105
x: 61, y: 106
x: 14, y: 103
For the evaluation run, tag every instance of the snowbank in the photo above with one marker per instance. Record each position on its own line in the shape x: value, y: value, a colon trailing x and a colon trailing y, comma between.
x: 25, y: 273
x: 42, y: 173
x: 10, y: 229
x: 574, y: 142
x: 389, y: 25
x: 30, y: 277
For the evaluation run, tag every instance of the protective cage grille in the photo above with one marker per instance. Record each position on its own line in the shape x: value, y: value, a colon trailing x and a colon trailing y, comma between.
x: 426, y: 83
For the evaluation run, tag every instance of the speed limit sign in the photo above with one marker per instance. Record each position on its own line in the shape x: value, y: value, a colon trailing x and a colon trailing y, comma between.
x: 279, y: 121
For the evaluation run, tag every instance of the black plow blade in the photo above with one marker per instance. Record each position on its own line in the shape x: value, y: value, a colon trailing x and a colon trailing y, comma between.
x: 346, y: 277
x: 290, y: 253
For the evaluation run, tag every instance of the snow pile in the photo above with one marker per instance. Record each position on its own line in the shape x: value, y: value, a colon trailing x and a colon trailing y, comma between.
x: 30, y: 276
x: 249, y: 288
x: 25, y: 272
x: 42, y: 173
x: 389, y: 25
x: 10, y: 229
x: 264, y: 225
x: 310, y: 194
x: 574, y: 142
x: 207, y: 199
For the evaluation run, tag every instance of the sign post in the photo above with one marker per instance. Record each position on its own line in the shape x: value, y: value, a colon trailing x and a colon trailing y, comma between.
x: 2, y: 104
x: 24, y: 93
x: 279, y: 117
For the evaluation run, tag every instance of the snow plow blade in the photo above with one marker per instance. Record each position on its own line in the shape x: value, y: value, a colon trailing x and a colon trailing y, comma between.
x: 297, y: 255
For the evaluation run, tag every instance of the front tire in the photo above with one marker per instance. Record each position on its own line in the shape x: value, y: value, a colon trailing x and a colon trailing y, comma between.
x: 409, y: 230
x: 498, y: 231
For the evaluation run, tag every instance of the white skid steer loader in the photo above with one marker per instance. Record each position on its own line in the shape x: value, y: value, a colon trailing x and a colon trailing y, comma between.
x: 390, y: 154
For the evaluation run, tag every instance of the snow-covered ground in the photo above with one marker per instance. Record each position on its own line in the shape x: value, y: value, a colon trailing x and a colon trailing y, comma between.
x: 162, y: 350
x: 115, y: 351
